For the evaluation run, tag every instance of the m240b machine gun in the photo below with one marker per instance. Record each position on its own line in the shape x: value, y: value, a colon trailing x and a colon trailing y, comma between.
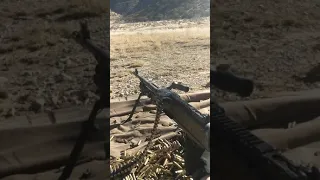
x: 189, y: 119
x: 186, y: 116
x: 265, y: 161
x: 100, y: 79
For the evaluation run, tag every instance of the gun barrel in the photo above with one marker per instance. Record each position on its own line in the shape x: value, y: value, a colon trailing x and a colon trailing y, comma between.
x: 187, y: 117
x: 95, y: 50
x: 151, y: 89
x: 102, y: 57
x: 83, y: 38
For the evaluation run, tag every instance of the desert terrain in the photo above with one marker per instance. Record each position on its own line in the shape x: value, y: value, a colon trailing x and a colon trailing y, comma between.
x: 275, y: 43
x: 163, y: 51
x: 42, y: 68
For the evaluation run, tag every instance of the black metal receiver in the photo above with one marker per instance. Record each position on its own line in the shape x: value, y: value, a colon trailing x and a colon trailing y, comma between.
x: 83, y: 38
x: 259, y: 155
x: 266, y: 161
x: 186, y: 116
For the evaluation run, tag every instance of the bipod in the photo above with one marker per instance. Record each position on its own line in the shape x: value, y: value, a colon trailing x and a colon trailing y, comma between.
x: 87, y: 127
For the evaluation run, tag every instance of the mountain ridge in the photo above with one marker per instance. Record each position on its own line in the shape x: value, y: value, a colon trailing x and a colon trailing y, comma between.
x: 155, y: 10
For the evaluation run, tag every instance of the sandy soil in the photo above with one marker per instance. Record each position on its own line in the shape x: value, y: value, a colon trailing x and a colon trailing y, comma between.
x: 41, y: 66
x: 163, y: 51
x: 275, y: 43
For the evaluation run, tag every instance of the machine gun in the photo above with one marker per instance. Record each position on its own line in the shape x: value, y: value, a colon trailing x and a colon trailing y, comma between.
x: 100, y: 79
x: 189, y: 119
x: 266, y: 161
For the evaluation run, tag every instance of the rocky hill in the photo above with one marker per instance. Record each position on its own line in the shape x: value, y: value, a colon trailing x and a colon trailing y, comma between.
x: 154, y: 10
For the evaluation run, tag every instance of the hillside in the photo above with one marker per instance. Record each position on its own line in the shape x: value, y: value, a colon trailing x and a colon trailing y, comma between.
x: 155, y: 10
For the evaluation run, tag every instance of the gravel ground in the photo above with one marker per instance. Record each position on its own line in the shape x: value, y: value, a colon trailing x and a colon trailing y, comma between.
x: 163, y: 51
x: 275, y: 43
x: 42, y: 68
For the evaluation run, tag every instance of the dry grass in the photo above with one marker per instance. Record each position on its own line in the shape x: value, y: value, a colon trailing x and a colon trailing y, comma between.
x: 162, y: 51
x: 160, y: 40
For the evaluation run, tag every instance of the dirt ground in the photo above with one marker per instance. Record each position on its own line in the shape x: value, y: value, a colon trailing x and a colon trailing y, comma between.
x: 163, y: 51
x: 41, y: 66
x: 275, y: 43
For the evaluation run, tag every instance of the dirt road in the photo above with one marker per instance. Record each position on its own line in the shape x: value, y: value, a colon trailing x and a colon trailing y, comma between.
x: 163, y: 51
x: 41, y: 66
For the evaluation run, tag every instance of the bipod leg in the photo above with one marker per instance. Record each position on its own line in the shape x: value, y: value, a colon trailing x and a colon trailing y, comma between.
x: 87, y: 127
x: 133, y: 110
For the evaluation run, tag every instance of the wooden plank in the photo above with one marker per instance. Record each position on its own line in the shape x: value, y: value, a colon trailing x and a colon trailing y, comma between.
x: 62, y: 116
